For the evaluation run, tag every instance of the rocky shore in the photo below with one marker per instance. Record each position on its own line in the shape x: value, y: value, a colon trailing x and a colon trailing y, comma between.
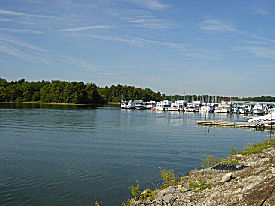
x: 252, y: 185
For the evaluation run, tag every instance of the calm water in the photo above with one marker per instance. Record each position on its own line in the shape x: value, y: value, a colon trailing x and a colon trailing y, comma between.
x: 65, y: 155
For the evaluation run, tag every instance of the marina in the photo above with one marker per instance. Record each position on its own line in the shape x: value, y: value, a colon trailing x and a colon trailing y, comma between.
x: 246, y: 108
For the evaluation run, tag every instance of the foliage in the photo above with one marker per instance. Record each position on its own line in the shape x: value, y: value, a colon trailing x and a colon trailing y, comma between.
x: 258, y: 147
x: 168, y: 177
x: 119, y: 92
x: 70, y: 92
x: 147, y: 194
x: 229, y: 161
x: 199, y: 186
x: 233, y: 150
x: 128, y: 203
x: 97, y: 203
x: 258, y: 99
x: 135, y: 190
x: 209, y: 161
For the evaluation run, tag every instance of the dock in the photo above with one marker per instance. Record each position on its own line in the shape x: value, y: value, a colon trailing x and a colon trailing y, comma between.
x: 221, y: 123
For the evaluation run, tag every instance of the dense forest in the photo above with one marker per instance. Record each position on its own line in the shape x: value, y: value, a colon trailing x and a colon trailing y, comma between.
x: 70, y: 92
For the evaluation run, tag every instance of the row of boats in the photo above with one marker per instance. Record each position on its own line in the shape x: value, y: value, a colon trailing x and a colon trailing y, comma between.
x: 198, y: 106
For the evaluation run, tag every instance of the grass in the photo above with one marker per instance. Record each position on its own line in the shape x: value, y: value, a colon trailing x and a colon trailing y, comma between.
x: 258, y: 147
x: 199, y: 186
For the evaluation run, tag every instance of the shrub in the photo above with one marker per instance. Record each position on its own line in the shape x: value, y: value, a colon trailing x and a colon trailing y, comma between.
x: 135, y: 190
x: 209, y: 161
x: 168, y: 177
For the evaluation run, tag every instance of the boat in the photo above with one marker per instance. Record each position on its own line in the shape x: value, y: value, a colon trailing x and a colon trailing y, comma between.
x: 150, y: 105
x: 140, y: 105
x: 191, y: 107
x: 268, y: 118
x: 224, y: 107
x: 174, y: 107
x: 123, y: 104
x: 258, y: 109
x: 128, y: 104
x: 206, y: 108
x: 162, y: 105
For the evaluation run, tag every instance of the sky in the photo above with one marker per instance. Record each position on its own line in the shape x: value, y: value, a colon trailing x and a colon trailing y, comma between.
x: 213, y: 47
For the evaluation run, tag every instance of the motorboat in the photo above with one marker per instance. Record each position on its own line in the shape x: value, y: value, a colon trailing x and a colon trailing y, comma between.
x: 268, y: 118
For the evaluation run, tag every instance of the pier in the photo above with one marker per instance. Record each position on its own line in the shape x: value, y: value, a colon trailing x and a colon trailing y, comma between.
x: 221, y: 123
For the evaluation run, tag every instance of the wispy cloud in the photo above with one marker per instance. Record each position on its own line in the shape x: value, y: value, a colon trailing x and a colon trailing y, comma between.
x: 263, y: 52
x: 30, y: 53
x: 17, y: 42
x: 150, y: 23
x: 13, y: 13
x: 260, y: 11
x: 77, y: 62
x: 15, y: 52
x: 215, y: 25
x: 21, y: 31
x: 86, y: 28
x: 150, y: 4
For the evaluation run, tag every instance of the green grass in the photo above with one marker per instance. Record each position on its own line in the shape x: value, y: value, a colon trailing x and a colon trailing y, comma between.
x: 258, y: 147
x: 199, y: 186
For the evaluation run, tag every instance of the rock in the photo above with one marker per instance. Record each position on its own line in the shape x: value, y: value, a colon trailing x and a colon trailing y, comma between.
x: 168, y: 198
x: 227, y: 177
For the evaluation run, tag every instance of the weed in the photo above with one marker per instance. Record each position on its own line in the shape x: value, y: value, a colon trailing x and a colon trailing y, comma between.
x: 97, y: 203
x: 209, y: 161
x: 233, y: 150
x: 258, y: 147
x: 230, y: 160
x: 128, y: 203
x: 168, y: 177
x: 147, y: 194
x: 199, y: 186
x: 135, y: 190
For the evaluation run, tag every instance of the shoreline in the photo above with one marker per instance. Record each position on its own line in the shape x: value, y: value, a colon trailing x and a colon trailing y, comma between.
x: 252, y: 185
x: 55, y: 103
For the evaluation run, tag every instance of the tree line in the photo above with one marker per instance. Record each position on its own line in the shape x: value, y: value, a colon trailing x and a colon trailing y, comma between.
x: 70, y: 92
x: 89, y: 93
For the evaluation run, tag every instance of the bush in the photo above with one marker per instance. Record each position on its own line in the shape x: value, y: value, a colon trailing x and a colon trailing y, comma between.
x: 168, y: 177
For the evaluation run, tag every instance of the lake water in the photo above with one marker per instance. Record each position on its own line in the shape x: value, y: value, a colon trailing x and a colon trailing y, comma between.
x: 69, y: 155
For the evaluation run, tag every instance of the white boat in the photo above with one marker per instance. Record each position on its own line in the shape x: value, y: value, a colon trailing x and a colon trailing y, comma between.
x: 206, y: 109
x: 258, y: 109
x: 150, y: 105
x: 162, y: 105
x: 224, y: 107
x: 193, y: 107
x: 173, y: 107
x: 128, y: 104
x: 123, y: 104
x: 140, y: 105
x: 181, y: 104
x: 268, y: 118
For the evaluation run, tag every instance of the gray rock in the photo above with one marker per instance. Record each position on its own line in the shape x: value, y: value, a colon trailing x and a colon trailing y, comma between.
x: 227, y: 177
x: 168, y: 198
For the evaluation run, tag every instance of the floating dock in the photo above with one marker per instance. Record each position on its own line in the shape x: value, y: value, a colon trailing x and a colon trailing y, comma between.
x: 222, y: 123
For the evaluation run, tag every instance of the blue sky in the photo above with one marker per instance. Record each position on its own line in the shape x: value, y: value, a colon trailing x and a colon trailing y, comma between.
x: 212, y: 47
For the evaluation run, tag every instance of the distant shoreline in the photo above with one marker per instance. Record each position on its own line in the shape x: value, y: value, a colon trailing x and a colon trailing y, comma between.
x: 55, y: 103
